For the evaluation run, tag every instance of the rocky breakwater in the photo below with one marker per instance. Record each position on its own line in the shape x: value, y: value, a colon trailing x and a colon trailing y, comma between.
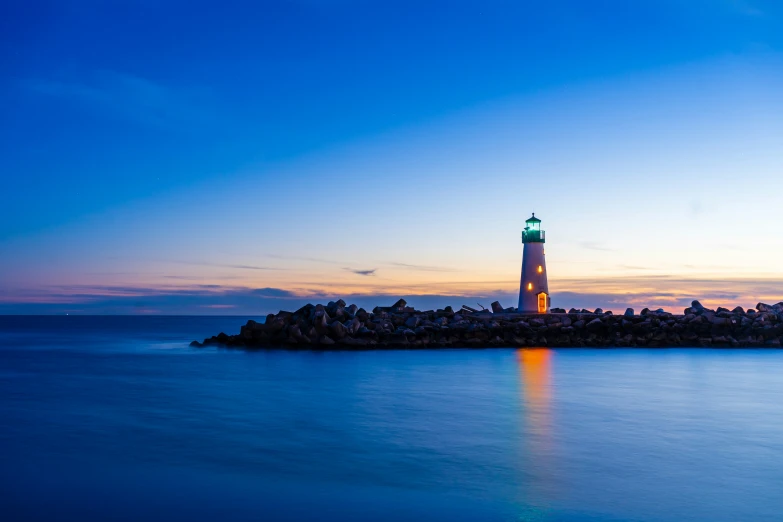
x: 338, y: 326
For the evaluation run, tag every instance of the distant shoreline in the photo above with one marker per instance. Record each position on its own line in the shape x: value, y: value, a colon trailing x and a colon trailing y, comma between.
x: 339, y: 326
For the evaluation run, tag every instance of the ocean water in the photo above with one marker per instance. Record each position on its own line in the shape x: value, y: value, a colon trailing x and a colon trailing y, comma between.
x: 116, y: 418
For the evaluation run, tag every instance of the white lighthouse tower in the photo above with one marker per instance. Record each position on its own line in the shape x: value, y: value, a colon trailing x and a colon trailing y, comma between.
x: 533, y: 288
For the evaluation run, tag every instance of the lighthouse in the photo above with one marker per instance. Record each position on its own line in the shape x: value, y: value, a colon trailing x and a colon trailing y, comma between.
x: 533, y: 288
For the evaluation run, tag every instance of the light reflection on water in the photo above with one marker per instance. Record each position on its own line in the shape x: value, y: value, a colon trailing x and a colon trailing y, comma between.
x: 536, y: 384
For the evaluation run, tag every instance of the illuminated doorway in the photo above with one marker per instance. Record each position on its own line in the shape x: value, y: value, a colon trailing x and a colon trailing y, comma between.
x: 542, y: 303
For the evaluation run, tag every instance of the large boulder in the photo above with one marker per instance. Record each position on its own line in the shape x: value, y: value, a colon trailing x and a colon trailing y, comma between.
x: 628, y: 312
x: 321, y: 321
x: 721, y: 321
x: 595, y: 324
x: 399, y: 306
x: 338, y: 330
x: 275, y: 325
x: 352, y: 325
x: 305, y: 310
x: 496, y: 308
x: 362, y: 315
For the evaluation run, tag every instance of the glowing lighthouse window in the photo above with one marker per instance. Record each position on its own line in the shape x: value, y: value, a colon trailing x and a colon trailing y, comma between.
x: 540, y: 269
x: 530, y: 286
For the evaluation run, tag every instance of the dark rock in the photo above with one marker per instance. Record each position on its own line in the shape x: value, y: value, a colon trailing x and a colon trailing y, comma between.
x: 276, y: 325
x: 305, y: 310
x: 350, y: 326
x: 399, y: 306
x: 338, y: 330
x: 595, y: 324
x: 365, y: 332
x: 351, y: 341
x: 362, y: 315
x: 721, y: 321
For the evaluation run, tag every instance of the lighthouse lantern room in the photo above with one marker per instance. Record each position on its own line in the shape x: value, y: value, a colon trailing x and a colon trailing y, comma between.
x: 533, y: 287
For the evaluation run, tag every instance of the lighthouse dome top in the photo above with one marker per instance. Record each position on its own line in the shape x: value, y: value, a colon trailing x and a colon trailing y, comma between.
x: 533, y: 219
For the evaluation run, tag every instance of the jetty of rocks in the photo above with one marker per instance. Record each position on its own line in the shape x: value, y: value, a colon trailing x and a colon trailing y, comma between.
x: 338, y: 326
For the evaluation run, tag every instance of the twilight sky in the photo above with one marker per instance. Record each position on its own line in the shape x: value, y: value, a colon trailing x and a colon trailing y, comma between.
x: 241, y: 157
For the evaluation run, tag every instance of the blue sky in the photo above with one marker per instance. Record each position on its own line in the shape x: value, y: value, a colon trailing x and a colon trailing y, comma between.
x: 235, y: 157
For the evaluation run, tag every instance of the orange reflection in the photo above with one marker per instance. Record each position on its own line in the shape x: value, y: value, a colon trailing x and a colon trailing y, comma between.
x: 535, y: 365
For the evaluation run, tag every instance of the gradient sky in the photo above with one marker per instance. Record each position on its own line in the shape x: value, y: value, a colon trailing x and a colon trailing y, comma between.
x: 241, y: 157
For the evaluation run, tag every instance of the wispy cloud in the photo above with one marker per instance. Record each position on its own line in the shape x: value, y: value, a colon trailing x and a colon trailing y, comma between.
x: 200, y: 278
x: 635, y: 267
x: 672, y: 294
x: 128, y: 96
x: 423, y: 268
x: 368, y: 272
x: 225, y: 265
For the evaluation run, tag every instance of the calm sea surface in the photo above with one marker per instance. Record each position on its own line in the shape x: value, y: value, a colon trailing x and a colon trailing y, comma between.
x: 116, y: 418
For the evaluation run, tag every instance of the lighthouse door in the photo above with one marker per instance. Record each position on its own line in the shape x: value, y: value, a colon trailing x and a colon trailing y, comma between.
x: 542, y: 303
